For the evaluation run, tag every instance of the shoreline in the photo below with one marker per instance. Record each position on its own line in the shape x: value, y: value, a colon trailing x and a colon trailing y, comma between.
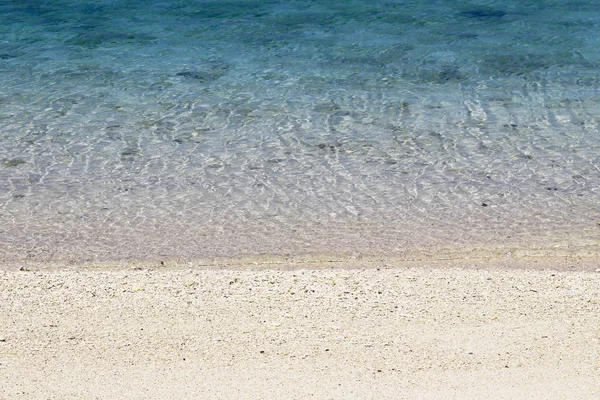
x: 561, y: 256
x: 295, y: 332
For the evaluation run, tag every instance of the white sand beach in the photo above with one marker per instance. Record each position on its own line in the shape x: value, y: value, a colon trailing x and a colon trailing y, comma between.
x: 383, y: 332
x: 299, y: 200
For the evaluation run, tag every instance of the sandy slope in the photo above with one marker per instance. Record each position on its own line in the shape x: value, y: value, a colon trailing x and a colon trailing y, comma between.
x: 394, y: 333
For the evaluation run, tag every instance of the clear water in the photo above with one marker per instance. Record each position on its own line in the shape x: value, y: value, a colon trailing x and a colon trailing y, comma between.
x: 195, y: 129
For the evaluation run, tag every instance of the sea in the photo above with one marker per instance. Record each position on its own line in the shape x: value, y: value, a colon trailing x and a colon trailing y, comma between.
x: 206, y: 129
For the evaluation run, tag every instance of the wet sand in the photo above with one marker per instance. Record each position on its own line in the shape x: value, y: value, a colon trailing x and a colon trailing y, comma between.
x: 264, y: 331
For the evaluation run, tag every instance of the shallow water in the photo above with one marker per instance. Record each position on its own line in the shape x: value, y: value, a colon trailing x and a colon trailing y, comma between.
x: 195, y: 129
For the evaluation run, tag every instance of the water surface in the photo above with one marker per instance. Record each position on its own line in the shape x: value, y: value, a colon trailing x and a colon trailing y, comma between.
x: 194, y: 129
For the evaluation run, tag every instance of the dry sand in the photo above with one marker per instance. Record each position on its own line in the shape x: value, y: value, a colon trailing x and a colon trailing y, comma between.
x: 322, y: 333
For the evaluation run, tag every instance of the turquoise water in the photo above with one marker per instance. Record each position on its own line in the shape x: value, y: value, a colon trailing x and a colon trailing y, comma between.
x: 194, y: 129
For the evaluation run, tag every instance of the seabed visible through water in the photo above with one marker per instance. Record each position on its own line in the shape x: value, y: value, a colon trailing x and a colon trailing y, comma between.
x: 186, y: 130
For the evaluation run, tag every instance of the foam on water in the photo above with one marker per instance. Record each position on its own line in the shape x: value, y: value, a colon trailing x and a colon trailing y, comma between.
x: 194, y: 129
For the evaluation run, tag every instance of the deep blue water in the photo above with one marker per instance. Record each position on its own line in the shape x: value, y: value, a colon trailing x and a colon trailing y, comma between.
x: 192, y: 129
